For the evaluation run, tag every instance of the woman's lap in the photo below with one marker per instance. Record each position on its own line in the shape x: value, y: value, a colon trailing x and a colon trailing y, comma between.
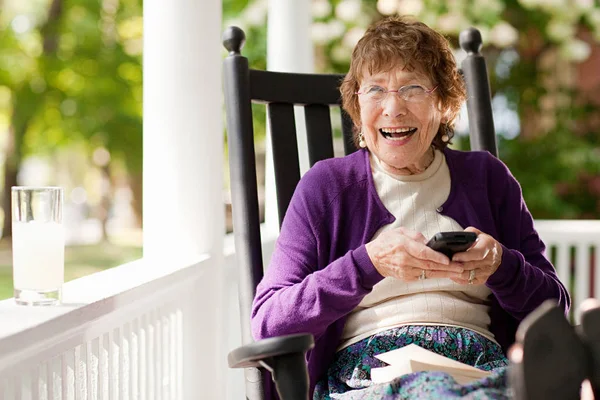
x: 348, y: 376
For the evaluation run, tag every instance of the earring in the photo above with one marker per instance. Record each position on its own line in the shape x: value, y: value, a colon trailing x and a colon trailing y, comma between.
x: 361, y: 141
x: 445, y: 136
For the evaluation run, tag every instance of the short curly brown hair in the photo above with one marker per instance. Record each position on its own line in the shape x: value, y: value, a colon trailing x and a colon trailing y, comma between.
x: 403, y: 41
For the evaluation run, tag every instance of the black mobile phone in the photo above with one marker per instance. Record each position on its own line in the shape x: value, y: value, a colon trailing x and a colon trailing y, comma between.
x: 450, y: 243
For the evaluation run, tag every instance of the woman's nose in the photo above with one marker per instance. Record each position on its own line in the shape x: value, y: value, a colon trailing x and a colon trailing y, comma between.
x: 394, y: 105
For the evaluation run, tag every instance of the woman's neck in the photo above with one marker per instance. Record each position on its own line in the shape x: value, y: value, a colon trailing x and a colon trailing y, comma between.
x: 416, y: 168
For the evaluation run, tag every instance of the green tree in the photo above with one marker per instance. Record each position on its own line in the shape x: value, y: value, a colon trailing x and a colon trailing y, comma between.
x: 72, y: 71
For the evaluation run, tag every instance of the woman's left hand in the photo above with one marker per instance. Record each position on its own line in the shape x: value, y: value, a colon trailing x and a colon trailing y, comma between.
x: 480, y: 261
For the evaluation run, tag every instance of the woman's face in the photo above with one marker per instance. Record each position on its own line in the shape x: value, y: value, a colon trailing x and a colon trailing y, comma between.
x: 398, y: 131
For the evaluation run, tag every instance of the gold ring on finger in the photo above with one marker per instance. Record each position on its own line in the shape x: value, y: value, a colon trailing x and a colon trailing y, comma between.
x: 471, y: 276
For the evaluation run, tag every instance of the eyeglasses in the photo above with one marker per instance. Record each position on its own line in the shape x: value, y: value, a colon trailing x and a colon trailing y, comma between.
x: 410, y: 93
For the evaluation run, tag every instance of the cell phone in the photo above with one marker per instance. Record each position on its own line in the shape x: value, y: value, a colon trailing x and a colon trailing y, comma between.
x: 450, y: 243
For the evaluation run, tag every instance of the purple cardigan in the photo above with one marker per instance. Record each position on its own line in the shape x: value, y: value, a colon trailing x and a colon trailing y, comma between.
x: 320, y: 269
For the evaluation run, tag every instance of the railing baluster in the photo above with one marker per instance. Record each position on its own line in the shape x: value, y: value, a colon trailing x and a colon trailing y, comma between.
x: 119, y: 361
x: 17, y: 384
x: 128, y: 361
x: 68, y: 375
x: 94, y: 375
x: 124, y: 364
x: 143, y: 358
x: 166, y: 360
x: 173, y: 354
x: 114, y: 365
x: 81, y: 360
x: 43, y: 386
x: 110, y: 365
x: 134, y: 357
x: 150, y: 360
x: 56, y: 378
x: 158, y: 354
x: 582, y: 276
x: 24, y: 387
x: 563, y: 264
x: 34, y: 383
x: 18, y: 381
x: 596, y: 267
x: 92, y: 369
x: 179, y: 329
x: 54, y: 381
x: 49, y: 380
x: 7, y: 390
x: 105, y: 366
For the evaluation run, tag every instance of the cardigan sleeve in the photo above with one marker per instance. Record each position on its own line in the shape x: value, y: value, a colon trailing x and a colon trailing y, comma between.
x: 297, y: 293
x: 525, y: 277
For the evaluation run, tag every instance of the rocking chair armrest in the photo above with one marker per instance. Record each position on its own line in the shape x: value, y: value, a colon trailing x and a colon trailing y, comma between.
x: 251, y: 354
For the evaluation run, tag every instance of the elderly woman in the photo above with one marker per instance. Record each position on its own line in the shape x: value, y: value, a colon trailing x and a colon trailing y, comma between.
x: 351, y: 265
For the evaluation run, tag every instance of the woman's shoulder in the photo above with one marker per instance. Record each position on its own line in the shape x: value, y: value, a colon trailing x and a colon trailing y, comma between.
x: 334, y: 174
x: 474, y: 163
x: 469, y: 156
x: 480, y: 170
x: 336, y: 181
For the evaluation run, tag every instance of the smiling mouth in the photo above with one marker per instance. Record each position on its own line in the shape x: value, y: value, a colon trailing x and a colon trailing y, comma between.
x: 397, y: 134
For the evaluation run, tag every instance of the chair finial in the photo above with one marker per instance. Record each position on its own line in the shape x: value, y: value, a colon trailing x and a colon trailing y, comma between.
x: 470, y: 40
x: 234, y: 39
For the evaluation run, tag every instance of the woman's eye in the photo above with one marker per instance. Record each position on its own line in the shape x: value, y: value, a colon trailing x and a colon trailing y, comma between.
x: 375, y: 90
x: 413, y: 90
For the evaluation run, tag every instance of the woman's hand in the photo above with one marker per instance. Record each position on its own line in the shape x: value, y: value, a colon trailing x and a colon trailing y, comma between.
x: 480, y: 261
x: 402, y: 254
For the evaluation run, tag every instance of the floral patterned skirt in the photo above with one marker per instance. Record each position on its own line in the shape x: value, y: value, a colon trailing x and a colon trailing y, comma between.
x: 349, y: 374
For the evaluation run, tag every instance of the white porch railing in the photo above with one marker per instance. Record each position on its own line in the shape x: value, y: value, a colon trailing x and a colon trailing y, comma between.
x: 144, y: 338
x: 574, y: 248
x: 146, y: 331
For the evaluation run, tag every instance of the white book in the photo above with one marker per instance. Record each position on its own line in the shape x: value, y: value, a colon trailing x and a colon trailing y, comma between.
x: 413, y: 358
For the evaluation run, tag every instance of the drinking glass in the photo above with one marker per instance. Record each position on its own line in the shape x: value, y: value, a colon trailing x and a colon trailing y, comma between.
x: 38, y: 244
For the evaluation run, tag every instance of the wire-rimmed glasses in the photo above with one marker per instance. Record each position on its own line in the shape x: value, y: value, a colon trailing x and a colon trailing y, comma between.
x: 411, y: 93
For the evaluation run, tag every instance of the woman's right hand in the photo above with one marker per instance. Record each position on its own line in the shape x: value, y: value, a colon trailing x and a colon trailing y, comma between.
x: 403, y: 254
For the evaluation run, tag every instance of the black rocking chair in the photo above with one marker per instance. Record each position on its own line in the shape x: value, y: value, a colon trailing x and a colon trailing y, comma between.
x: 284, y: 357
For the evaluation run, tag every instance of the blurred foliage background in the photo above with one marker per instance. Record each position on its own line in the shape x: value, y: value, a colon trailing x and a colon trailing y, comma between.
x: 71, y: 101
x: 543, y: 60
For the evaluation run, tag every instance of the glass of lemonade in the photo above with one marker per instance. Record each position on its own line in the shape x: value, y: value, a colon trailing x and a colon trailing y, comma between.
x: 38, y: 244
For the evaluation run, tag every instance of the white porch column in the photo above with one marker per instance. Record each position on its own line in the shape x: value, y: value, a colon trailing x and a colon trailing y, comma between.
x: 183, y: 166
x: 289, y: 49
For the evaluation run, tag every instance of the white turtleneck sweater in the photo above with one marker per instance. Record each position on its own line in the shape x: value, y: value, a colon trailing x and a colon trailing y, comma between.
x: 414, y: 200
